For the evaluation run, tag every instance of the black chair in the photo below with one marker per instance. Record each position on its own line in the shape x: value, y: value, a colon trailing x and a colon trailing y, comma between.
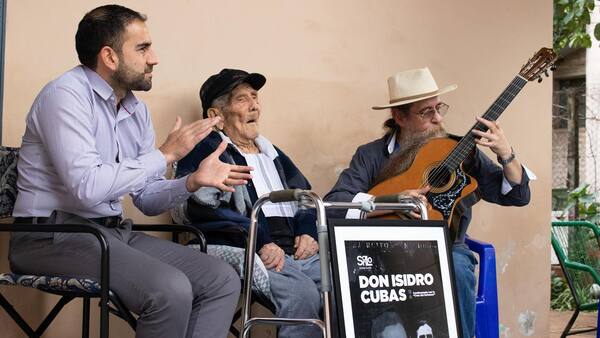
x: 67, y: 287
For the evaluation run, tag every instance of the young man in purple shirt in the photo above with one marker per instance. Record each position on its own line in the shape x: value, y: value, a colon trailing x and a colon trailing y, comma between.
x: 88, y: 142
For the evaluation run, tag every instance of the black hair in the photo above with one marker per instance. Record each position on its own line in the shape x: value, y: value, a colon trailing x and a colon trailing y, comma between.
x: 102, y: 26
x: 390, y: 126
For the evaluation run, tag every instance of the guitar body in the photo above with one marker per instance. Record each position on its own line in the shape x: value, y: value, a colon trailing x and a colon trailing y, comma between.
x: 448, y: 188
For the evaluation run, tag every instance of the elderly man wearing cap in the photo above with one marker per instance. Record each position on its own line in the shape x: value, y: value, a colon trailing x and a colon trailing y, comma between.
x: 286, y: 237
x: 417, y: 115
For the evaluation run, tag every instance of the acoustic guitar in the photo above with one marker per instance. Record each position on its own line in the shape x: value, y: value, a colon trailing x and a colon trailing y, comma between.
x: 439, y: 162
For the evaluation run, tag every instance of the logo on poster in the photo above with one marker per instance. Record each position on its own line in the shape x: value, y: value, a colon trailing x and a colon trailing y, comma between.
x: 364, y: 261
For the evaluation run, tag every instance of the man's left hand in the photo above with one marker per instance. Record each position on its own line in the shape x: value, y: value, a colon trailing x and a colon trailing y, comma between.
x: 493, y: 138
x: 212, y: 172
x: 305, y: 246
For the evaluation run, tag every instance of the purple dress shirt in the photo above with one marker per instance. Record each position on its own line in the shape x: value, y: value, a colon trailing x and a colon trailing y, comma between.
x: 81, y: 154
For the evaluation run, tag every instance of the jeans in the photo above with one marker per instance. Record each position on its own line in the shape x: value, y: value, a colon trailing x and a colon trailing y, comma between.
x: 296, y: 290
x: 464, y: 276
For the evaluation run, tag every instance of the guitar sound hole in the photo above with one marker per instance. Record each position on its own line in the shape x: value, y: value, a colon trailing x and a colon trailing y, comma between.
x: 438, y: 177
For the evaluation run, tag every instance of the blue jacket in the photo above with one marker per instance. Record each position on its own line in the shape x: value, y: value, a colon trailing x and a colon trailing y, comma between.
x: 234, y: 209
x: 369, y: 159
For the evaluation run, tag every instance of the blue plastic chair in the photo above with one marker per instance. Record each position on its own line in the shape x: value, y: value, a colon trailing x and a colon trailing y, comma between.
x: 487, y: 324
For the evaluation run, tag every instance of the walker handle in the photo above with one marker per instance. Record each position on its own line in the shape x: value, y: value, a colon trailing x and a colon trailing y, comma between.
x: 287, y: 195
x: 395, y: 198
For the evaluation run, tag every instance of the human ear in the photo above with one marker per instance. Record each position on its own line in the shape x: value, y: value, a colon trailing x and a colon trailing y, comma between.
x: 399, y: 117
x: 109, y: 58
x: 214, y: 112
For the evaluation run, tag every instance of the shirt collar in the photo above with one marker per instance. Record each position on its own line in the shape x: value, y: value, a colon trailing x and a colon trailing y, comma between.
x: 392, y: 143
x: 129, y: 102
x: 105, y: 91
x: 264, y: 145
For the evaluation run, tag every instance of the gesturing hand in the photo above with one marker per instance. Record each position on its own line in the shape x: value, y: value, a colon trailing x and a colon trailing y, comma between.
x: 181, y: 140
x: 305, y: 246
x: 493, y: 138
x: 272, y: 256
x: 212, y: 172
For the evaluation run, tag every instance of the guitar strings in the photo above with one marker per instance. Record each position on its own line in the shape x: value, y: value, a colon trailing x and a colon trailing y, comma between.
x: 492, y: 114
x: 466, y: 144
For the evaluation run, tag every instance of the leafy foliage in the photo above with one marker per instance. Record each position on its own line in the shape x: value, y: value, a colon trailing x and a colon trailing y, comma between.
x: 571, y: 18
x: 560, y: 295
x: 586, y: 203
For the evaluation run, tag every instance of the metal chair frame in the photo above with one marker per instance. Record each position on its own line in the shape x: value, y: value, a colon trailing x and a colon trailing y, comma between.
x: 107, y: 297
x: 566, y: 265
x: 256, y: 297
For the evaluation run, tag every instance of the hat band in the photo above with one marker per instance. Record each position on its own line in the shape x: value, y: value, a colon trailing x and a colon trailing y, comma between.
x: 414, y: 96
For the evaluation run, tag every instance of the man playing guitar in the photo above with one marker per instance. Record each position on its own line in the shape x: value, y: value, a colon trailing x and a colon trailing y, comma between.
x: 417, y: 115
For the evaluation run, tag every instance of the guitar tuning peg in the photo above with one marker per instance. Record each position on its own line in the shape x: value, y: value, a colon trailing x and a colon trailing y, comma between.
x: 553, y: 67
x: 546, y: 73
x: 539, y: 79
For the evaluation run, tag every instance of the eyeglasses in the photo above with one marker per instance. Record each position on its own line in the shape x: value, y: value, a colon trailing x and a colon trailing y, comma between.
x: 427, y: 113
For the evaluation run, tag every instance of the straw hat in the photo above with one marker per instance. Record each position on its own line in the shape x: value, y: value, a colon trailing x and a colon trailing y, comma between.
x: 413, y: 85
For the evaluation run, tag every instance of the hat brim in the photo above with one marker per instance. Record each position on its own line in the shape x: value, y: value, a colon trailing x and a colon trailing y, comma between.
x: 411, y: 100
x: 255, y: 80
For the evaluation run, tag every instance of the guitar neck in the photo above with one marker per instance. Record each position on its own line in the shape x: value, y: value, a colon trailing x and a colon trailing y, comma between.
x: 467, y: 143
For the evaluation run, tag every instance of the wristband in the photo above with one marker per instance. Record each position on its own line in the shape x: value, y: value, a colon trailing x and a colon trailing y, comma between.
x: 508, y: 160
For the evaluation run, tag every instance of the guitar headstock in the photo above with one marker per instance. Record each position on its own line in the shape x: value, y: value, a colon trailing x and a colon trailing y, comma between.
x: 538, y: 65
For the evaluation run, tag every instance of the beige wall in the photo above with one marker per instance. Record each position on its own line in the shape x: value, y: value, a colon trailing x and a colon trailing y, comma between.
x: 326, y: 63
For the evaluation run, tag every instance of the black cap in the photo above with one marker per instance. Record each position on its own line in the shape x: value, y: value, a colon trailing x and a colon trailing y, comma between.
x: 224, y: 82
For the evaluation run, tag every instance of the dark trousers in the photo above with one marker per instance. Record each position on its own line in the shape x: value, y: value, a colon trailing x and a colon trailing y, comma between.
x: 177, y: 291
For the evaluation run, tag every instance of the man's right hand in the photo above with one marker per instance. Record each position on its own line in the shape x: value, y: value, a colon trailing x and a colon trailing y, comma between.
x: 181, y: 140
x: 272, y: 256
x: 420, y: 194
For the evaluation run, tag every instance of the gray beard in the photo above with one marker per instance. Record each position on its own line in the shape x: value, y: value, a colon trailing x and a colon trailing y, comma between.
x: 401, y: 160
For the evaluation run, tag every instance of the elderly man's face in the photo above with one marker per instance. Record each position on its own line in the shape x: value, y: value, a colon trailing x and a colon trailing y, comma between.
x: 415, y: 123
x: 241, y: 117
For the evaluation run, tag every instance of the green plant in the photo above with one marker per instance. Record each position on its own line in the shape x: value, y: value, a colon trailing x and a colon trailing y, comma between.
x: 560, y: 295
x: 571, y: 18
x: 585, y: 203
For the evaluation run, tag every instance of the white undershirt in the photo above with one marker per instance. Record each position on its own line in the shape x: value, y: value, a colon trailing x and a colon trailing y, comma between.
x: 266, y: 179
x: 265, y: 176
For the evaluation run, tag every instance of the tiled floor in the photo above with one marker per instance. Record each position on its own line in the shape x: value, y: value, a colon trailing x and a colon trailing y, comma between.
x: 558, y: 321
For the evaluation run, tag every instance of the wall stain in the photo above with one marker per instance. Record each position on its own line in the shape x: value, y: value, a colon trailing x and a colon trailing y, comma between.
x: 505, y: 256
x: 504, y: 331
x: 526, y: 323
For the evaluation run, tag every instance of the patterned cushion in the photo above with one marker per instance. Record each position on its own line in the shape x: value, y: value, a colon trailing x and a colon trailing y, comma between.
x: 51, y: 283
x: 8, y: 180
x: 235, y: 257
